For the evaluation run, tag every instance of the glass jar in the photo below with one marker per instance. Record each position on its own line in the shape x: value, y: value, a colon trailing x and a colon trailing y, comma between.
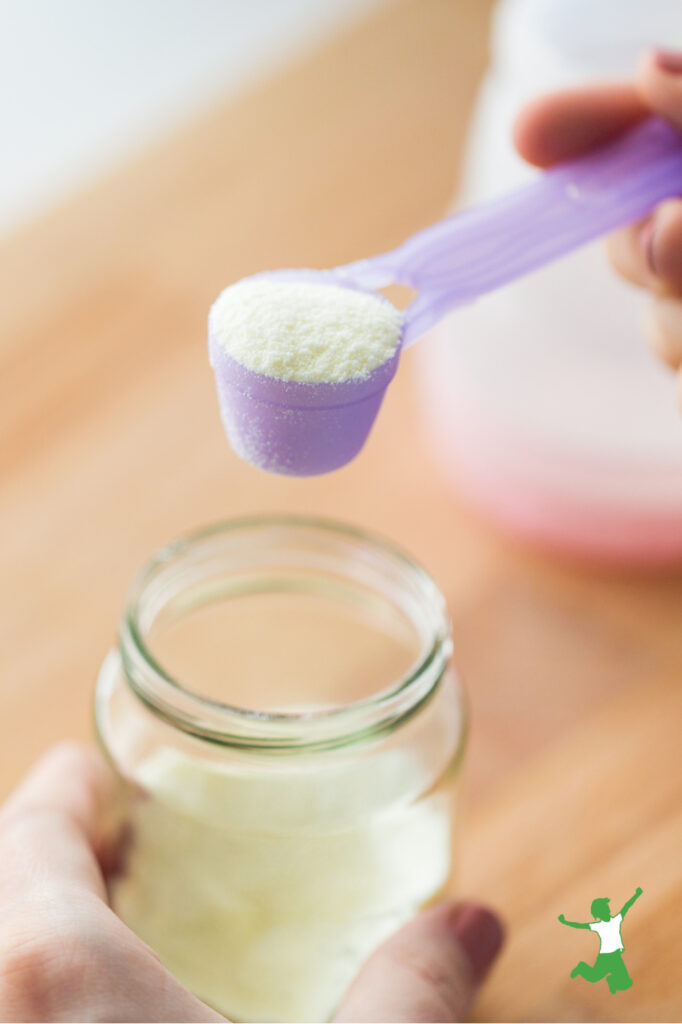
x: 287, y: 728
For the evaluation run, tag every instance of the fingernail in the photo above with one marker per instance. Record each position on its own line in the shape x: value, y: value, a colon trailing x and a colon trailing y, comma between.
x: 480, y: 934
x: 669, y: 61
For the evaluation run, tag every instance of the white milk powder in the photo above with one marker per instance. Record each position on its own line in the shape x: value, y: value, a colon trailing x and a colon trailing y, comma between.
x: 301, y: 331
x: 264, y: 890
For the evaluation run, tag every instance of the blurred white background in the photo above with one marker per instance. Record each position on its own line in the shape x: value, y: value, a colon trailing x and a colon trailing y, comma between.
x: 83, y: 83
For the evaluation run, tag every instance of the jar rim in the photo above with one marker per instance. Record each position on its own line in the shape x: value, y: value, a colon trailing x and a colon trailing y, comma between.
x: 231, y: 725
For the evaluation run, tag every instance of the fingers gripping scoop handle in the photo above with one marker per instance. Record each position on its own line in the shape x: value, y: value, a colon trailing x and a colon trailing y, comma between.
x: 294, y: 428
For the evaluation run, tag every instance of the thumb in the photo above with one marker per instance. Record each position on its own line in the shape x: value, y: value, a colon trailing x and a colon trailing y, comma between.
x: 428, y: 971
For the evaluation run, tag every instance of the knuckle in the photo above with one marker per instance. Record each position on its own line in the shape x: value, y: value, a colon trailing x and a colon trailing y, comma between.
x: 49, y: 958
x: 448, y: 980
x: 33, y: 974
x: 440, y: 984
x: 19, y: 979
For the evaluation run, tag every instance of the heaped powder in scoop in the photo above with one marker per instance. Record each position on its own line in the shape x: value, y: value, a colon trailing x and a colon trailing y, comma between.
x: 300, y: 331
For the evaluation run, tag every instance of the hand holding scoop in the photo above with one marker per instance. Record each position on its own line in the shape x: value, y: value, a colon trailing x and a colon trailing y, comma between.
x: 301, y: 428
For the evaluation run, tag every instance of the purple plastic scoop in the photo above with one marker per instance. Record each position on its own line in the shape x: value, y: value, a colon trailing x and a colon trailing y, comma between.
x: 302, y: 429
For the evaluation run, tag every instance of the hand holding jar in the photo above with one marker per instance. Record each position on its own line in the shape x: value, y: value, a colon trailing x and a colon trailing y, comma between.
x: 64, y: 954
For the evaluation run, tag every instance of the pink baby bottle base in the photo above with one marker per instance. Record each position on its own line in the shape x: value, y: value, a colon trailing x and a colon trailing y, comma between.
x: 508, y: 482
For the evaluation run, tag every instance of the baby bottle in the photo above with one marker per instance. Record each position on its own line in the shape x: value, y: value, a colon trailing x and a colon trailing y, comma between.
x: 543, y: 404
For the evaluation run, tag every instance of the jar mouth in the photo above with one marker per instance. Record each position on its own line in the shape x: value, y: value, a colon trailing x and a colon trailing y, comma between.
x: 278, y: 539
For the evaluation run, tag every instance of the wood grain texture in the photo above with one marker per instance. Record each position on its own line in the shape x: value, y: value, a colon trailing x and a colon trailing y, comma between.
x: 111, y: 445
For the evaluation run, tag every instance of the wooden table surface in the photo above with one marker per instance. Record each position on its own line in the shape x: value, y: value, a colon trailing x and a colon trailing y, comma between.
x: 111, y: 445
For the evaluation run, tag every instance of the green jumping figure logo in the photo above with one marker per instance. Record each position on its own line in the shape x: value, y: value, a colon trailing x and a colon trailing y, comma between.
x: 609, y: 963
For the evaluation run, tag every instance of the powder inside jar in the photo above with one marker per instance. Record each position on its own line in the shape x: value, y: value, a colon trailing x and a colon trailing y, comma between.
x: 264, y: 888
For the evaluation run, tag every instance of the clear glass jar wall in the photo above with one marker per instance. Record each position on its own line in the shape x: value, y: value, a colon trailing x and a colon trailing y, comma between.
x: 287, y: 728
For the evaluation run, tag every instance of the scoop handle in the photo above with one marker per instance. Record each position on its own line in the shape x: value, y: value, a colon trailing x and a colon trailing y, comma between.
x: 487, y: 246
